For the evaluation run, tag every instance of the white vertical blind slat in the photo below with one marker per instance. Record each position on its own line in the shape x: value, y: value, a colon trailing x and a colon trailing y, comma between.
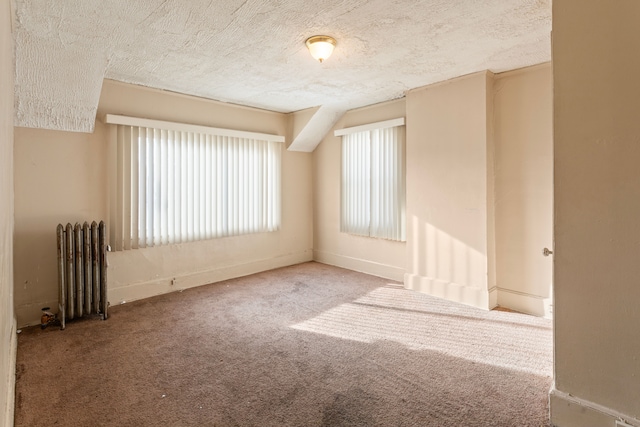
x: 148, y: 182
x: 142, y: 187
x: 184, y: 212
x: 377, y: 190
x: 171, y: 187
x: 163, y: 170
x: 202, y: 198
x: 126, y: 188
x: 277, y: 189
x: 235, y: 194
x: 218, y: 161
x: 402, y: 226
x: 157, y: 188
x: 177, y: 190
x: 121, y: 168
x: 133, y: 185
x: 265, y: 152
x: 344, y: 199
x: 207, y: 188
x: 190, y: 186
x: 195, y: 207
x: 114, y: 171
x: 242, y: 184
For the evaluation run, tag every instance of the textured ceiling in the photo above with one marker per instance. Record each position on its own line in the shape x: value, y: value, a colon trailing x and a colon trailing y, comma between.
x: 252, y: 52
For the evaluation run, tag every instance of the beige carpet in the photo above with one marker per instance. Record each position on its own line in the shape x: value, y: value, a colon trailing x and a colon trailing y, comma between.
x: 309, y: 345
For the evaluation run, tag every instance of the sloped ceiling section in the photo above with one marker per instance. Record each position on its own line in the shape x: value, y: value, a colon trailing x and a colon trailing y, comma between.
x: 316, y: 128
x: 51, y: 95
x: 252, y: 52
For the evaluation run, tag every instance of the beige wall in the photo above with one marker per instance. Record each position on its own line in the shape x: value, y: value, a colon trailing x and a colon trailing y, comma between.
x: 7, y: 319
x: 384, y: 258
x: 597, y: 207
x: 41, y: 204
x: 450, y: 190
x: 524, y: 188
x: 479, y: 164
x: 450, y: 197
x: 59, y: 178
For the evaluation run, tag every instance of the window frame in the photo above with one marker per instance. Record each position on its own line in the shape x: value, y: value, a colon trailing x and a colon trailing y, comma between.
x: 365, y: 211
x: 245, y: 148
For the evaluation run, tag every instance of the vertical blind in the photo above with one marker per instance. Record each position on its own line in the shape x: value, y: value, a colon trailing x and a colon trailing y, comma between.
x: 373, y: 183
x: 179, y: 186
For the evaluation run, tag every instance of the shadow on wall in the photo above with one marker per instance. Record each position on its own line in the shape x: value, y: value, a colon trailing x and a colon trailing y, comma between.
x: 438, y: 254
x: 445, y: 266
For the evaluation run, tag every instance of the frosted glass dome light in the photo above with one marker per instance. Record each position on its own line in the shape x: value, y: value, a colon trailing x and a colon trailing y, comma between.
x: 321, y: 47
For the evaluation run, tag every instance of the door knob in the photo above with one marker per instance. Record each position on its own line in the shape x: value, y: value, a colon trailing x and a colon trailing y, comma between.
x: 547, y: 252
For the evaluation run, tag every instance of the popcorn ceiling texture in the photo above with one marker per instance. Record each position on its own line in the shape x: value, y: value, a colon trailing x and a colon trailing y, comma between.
x: 59, y: 88
x: 252, y: 52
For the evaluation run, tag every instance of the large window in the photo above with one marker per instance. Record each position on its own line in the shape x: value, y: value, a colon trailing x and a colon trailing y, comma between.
x: 373, y: 180
x: 174, y: 183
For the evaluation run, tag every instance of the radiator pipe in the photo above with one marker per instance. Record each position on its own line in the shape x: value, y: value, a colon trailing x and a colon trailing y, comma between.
x: 62, y: 286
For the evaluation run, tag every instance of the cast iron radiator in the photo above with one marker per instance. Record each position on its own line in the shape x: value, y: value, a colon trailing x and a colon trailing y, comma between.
x: 82, y: 271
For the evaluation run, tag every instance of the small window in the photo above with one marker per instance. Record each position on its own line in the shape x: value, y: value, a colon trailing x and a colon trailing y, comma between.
x: 373, y: 181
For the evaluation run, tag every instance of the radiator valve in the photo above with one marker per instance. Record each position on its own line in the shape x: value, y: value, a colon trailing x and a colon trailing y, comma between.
x: 48, y: 318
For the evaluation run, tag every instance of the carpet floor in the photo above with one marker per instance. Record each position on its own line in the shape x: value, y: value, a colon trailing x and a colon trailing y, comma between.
x: 307, y: 345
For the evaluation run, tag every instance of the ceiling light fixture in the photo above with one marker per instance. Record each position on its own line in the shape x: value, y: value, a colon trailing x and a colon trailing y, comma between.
x: 321, y: 47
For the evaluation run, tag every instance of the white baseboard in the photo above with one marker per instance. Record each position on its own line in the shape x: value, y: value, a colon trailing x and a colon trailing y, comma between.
x: 493, y: 298
x: 385, y: 271
x: 8, y: 415
x: 159, y: 286
x: 571, y: 411
x: 525, y: 303
x: 476, y: 297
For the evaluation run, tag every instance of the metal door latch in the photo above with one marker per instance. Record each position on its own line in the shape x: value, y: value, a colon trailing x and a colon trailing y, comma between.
x: 547, y: 252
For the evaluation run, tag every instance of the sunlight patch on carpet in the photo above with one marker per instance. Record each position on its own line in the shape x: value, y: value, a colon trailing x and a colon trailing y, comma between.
x: 421, y: 322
